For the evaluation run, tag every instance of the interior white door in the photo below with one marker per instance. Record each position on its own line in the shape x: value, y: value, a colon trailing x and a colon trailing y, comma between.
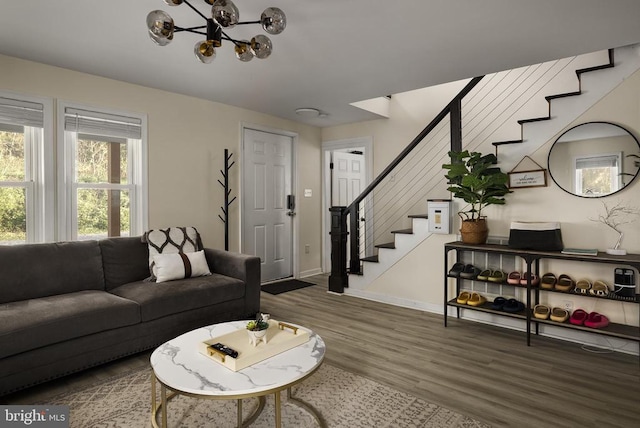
x: 348, y: 178
x: 267, y: 217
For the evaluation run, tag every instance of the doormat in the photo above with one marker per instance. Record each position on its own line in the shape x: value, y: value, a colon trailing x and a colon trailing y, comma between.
x: 284, y: 286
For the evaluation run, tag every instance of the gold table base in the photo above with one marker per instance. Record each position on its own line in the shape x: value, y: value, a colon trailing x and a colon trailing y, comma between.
x: 161, y: 406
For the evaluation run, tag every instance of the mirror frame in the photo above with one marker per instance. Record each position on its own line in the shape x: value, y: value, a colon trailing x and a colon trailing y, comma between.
x: 577, y: 126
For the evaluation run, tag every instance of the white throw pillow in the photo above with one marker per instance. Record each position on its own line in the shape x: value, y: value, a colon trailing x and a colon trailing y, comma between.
x: 178, y: 266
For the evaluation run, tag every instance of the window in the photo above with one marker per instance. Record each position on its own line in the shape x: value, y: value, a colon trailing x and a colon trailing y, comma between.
x: 597, y: 175
x: 25, y: 201
x: 103, y: 188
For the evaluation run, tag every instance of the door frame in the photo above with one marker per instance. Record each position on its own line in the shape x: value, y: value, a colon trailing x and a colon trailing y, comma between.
x: 294, y: 186
x: 327, y: 148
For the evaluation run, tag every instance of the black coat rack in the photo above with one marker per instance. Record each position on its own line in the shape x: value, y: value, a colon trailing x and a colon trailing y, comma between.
x: 227, y: 192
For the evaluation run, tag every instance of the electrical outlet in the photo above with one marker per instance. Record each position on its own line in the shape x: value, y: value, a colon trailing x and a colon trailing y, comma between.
x: 307, y: 248
x: 567, y: 305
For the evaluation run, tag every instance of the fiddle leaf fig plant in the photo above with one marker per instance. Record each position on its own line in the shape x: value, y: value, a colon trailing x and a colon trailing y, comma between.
x: 474, y: 178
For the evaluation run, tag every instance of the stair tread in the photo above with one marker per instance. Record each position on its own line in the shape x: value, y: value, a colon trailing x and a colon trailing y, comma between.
x: 403, y: 231
x: 597, y: 67
x: 563, y: 95
x: 534, y: 119
x: 390, y: 245
x: 372, y: 259
x: 418, y: 216
x: 502, y: 143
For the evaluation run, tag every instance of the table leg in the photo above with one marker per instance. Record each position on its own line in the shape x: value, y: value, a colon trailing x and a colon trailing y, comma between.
x: 153, y: 394
x: 239, y: 413
x: 163, y: 395
x: 278, y: 409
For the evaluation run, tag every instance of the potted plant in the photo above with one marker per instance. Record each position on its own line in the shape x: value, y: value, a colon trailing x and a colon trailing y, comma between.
x: 474, y: 178
x: 257, y: 330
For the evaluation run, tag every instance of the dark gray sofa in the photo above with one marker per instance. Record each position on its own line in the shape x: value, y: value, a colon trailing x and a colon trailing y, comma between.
x: 68, y: 306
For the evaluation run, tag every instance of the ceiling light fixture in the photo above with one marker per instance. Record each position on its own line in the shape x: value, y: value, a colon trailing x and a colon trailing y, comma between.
x: 308, y: 112
x: 224, y: 14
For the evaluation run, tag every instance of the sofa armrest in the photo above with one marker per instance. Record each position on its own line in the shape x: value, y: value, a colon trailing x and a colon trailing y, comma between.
x: 240, y: 266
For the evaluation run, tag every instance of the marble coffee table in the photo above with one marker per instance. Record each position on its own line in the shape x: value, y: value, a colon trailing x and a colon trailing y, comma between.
x: 181, y: 369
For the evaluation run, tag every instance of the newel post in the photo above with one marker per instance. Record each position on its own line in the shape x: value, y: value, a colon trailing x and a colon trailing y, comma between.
x: 338, y: 278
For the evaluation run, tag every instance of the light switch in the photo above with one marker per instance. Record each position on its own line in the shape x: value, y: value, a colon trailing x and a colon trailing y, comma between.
x: 307, y: 193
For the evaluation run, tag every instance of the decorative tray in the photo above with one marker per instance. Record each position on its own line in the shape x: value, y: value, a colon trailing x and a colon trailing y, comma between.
x: 280, y: 337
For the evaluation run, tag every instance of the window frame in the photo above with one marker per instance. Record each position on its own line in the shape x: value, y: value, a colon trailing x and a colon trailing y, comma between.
x: 616, y: 178
x: 68, y: 186
x: 39, y: 179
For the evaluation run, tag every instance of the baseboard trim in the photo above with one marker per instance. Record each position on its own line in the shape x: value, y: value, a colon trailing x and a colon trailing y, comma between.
x: 310, y: 272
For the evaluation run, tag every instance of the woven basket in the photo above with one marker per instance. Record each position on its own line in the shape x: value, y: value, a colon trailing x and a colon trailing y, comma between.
x: 474, y: 231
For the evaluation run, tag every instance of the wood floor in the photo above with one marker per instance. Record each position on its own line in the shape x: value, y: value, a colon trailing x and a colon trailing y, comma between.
x: 482, y: 371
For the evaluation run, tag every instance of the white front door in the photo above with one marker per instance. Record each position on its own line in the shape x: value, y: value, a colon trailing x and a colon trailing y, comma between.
x: 267, y: 219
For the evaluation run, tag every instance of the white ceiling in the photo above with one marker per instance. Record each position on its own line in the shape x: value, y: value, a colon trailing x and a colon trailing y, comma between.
x: 332, y: 53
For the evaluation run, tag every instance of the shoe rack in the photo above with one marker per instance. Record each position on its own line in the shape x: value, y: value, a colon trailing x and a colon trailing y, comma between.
x: 506, y: 257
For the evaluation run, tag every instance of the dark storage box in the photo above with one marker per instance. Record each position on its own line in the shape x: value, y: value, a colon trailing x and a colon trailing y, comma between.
x: 624, y: 282
x: 535, y: 236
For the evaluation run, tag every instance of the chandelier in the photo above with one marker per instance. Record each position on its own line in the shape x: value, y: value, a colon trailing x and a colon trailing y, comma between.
x: 224, y: 14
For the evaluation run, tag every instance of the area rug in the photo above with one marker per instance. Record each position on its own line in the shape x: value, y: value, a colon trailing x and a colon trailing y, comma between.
x: 284, y: 286
x: 344, y: 399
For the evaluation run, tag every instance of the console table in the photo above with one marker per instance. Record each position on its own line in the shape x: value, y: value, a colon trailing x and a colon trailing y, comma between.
x: 532, y: 259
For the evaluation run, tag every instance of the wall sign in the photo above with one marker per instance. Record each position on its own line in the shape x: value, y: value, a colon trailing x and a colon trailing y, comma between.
x: 535, y: 178
x: 529, y: 178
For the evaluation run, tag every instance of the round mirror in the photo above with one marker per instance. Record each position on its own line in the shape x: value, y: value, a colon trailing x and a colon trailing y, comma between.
x: 594, y: 159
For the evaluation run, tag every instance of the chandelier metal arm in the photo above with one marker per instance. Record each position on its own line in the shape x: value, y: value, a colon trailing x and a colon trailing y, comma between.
x: 224, y: 35
x: 177, y: 29
x: 194, y: 9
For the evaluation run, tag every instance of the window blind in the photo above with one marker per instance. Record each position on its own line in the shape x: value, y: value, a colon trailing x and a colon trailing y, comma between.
x: 597, y: 162
x: 21, y: 113
x: 99, y: 123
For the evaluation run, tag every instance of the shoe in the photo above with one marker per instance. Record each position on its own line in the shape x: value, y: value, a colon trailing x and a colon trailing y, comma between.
x: 484, y: 275
x: 583, y: 286
x: 534, y: 279
x: 541, y: 312
x: 456, y: 269
x: 565, y: 283
x: 513, y: 306
x: 578, y: 317
x: 514, y: 278
x: 600, y: 288
x: 548, y: 281
x: 596, y: 320
x: 463, y: 297
x: 476, y: 300
x: 498, y: 277
x: 559, y: 315
x: 469, y: 272
x: 498, y: 303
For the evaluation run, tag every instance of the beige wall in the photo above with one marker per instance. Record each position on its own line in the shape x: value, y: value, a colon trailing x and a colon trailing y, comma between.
x: 186, y: 139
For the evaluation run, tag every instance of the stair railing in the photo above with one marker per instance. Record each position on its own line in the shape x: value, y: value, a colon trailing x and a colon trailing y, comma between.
x: 341, y: 230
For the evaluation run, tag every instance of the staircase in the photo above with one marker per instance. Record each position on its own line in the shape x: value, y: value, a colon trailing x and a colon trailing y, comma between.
x: 590, y: 84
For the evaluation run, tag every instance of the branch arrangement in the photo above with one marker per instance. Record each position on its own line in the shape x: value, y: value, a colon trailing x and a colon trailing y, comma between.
x: 616, y: 216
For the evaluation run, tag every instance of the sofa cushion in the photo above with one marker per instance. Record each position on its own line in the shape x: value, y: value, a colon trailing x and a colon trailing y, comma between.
x: 35, y: 323
x: 124, y: 260
x: 166, y: 298
x: 38, y: 270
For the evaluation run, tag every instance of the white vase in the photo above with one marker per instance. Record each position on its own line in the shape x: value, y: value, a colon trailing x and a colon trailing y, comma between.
x: 256, y: 337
